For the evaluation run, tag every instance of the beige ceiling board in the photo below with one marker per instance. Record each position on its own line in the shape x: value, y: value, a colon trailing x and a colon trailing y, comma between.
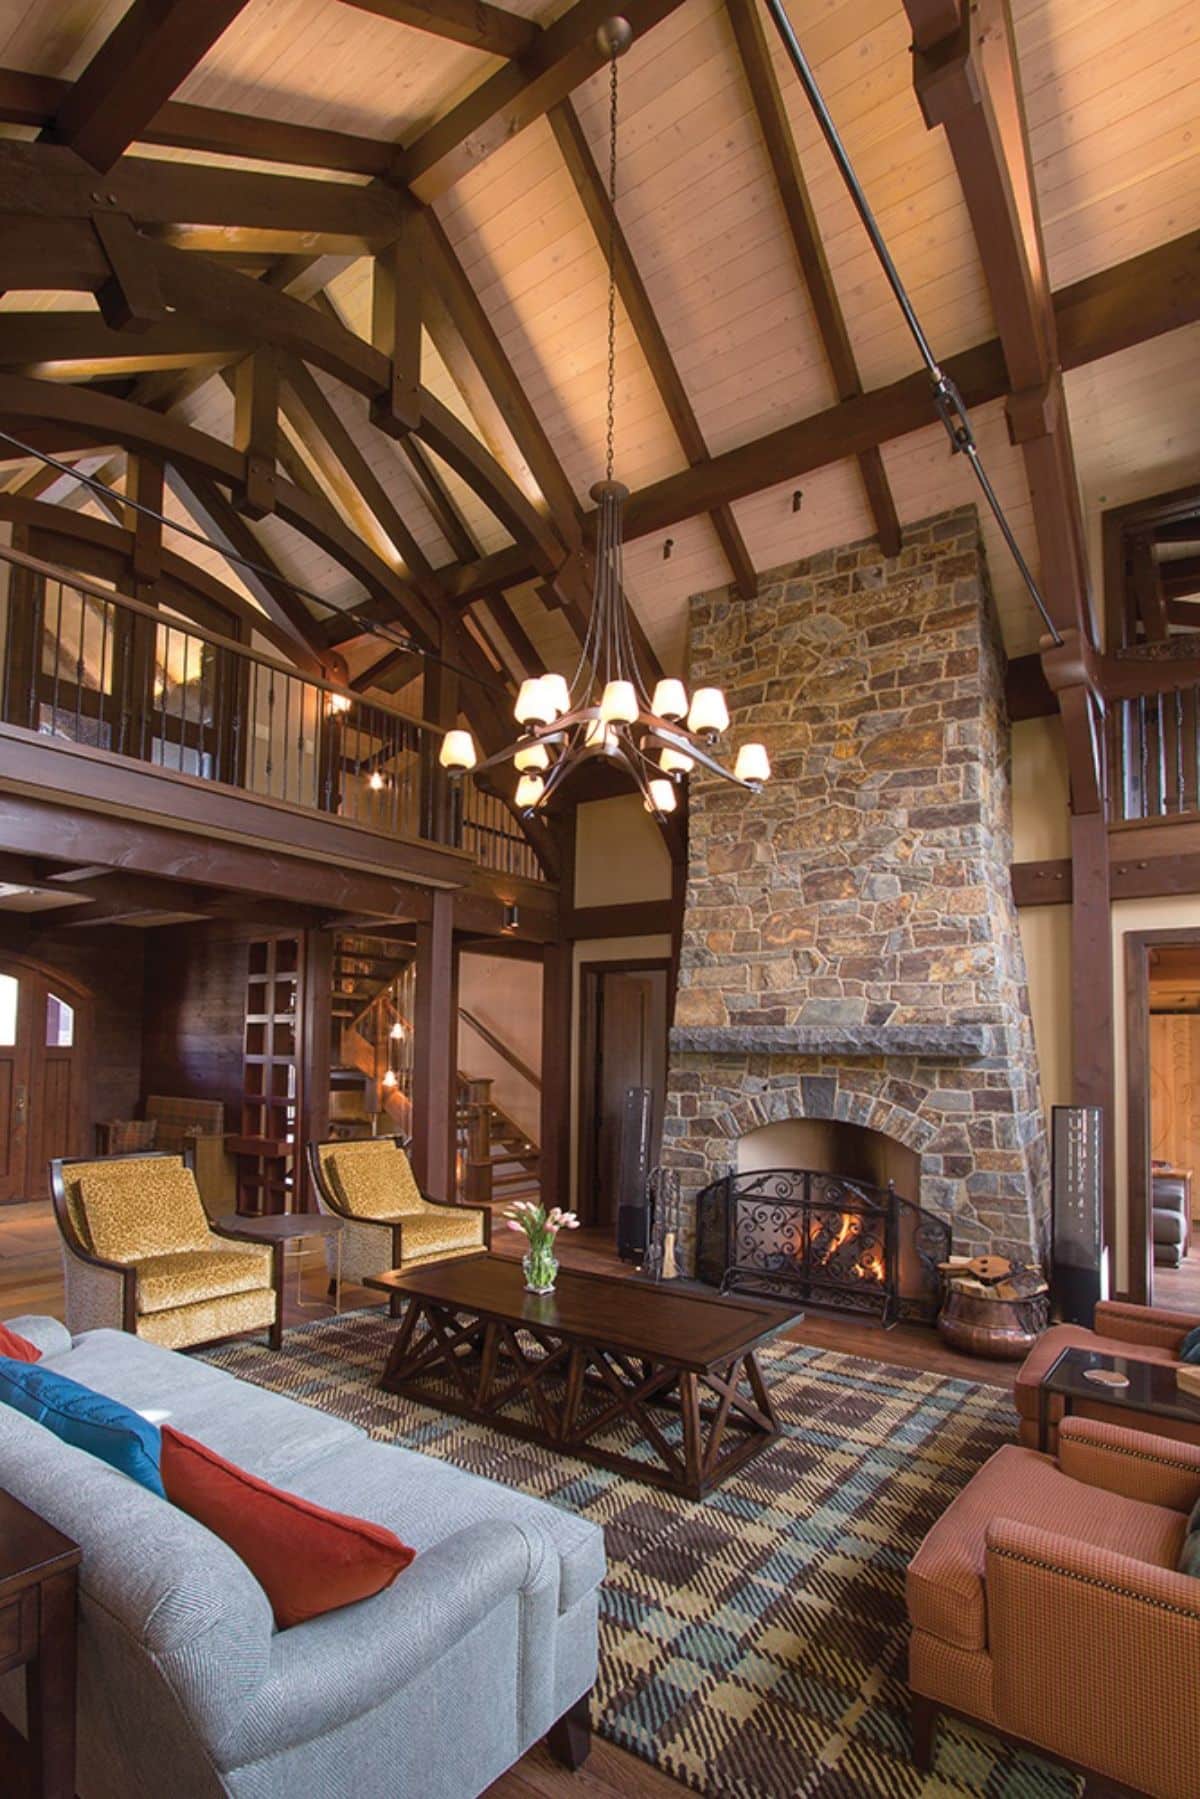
x: 548, y: 630
x: 55, y: 39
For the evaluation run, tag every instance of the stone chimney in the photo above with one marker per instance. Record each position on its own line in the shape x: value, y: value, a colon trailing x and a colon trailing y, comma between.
x: 850, y: 947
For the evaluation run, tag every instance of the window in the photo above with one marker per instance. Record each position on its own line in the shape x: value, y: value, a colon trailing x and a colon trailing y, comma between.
x: 9, y: 996
x: 60, y: 1023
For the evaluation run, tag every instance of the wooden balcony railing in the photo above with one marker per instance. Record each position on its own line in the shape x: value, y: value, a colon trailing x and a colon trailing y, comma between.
x: 85, y: 664
x: 1152, y: 725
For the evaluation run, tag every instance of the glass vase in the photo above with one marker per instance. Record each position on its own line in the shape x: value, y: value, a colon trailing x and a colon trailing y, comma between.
x: 541, y: 1268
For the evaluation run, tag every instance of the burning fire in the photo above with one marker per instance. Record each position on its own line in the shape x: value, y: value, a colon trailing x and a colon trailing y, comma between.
x: 867, y: 1266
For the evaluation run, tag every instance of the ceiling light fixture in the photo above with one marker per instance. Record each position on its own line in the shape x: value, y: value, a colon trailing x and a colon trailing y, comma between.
x: 606, y: 708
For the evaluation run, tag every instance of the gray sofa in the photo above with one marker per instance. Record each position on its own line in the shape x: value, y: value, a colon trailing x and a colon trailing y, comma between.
x: 432, y: 1688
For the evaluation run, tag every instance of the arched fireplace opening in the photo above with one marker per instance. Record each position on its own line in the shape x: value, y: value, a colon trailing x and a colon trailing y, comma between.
x: 832, y: 1146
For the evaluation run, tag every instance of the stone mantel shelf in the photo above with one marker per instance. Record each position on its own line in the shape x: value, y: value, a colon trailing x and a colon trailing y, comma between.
x: 932, y: 1042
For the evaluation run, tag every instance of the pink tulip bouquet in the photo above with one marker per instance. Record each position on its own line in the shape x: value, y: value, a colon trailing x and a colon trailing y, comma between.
x: 541, y: 1228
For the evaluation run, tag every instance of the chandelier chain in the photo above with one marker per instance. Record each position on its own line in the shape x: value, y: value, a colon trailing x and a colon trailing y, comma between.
x: 612, y: 261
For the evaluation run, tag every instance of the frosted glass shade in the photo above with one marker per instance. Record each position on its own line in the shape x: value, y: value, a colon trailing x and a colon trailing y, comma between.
x: 674, y: 762
x: 670, y: 700
x: 458, y: 751
x: 531, y: 756
x: 600, y: 737
x: 618, y: 703
x: 533, y: 705
x: 662, y: 793
x: 529, y: 791
x: 389, y: 1079
x: 753, y: 764
x: 340, y: 702
x: 709, y: 715
x: 397, y: 1031
x: 375, y: 781
x: 557, y: 693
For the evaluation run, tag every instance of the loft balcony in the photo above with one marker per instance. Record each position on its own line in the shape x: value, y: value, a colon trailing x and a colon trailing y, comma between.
x: 113, y: 707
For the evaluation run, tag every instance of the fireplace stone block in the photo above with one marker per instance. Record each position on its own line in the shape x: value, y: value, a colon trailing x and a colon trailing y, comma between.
x: 850, y: 948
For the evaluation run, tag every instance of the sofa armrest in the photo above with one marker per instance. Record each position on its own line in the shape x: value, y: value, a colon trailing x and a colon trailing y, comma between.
x: 46, y: 1334
x: 1131, y: 1463
x: 1142, y: 1324
x: 1094, y: 1656
x: 335, y: 1668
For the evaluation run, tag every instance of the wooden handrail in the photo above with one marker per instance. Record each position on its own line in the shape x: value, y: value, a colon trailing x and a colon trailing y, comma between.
x: 502, y: 1049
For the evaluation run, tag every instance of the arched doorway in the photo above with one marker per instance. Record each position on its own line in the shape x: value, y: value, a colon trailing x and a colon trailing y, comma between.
x: 45, y: 1065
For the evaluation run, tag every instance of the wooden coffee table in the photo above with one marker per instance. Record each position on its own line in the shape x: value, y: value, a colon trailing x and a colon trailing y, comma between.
x: 673, y: 1374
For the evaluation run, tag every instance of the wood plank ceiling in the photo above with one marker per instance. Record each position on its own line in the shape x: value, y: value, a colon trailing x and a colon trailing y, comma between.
x: 750, y: 300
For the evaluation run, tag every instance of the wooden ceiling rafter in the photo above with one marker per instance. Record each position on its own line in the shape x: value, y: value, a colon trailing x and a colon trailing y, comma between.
x: 153, y: 47
x: 581, y: 165
x: 792, y: 188
x: 476, y: 23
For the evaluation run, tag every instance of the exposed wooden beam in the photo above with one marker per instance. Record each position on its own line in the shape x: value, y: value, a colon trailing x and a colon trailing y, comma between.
x: 515, y: 635
x: 933, y: 20
x: 144, y: 491
x: 204, y: 208
x: 473, y: 22
x: 131, y: 299
x: 577, y: 154
x: 397, y: 282
x: 1146, y: 586
x: 256, y: 429
x: 395, y: 667
x: 1181, y: 577
x: 1156, y: 292
x: 560, y: 59
x: 437, y: 497
x: 773, y: 122
x: 154, y: 46
x: 31, y: 342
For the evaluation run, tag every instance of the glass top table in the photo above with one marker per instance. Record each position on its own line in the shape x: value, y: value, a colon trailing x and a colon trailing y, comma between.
x: 1152, y: 1388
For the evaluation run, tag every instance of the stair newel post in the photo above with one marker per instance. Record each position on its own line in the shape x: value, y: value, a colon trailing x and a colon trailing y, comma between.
x: 479, y: 1142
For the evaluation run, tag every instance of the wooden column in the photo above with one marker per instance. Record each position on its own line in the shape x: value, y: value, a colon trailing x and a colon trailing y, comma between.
x: 555, y: 1157
x: 1094, y: 1082
x: 316, y: 1053
x: 435, y: 1050
x: 440, y: 703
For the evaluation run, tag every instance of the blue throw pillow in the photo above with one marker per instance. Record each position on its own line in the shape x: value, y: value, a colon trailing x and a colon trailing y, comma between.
x: 92, y: 1421
x: 1189, y: 1349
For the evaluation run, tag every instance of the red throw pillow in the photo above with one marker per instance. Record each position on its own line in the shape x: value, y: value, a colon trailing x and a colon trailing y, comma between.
x: 306, y: 1559
x: 18, y: 1349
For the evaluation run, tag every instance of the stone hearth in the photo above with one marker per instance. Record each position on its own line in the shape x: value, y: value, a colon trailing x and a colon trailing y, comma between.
x: 850, y: 948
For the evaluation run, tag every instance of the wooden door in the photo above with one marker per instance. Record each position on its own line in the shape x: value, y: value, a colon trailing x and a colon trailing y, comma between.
x: 16, y: 1033
x: 44, y: 1067
x: 625, y: 1045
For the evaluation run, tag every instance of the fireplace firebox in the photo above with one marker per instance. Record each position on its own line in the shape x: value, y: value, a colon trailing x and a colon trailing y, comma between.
x: 800, y: 1233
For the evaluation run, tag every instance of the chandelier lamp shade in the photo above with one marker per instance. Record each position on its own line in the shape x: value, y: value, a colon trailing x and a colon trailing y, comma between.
x: 606, y: 709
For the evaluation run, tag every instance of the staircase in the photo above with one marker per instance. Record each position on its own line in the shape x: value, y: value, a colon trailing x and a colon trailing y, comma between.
x: 373, y: 990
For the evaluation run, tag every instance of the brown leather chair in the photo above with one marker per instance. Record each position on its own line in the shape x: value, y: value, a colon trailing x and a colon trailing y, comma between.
x: 1046, y: 1604
x: 1142, y: 1332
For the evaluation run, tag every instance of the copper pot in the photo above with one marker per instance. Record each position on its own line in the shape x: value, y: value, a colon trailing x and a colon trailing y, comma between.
x: 1005, y: 1329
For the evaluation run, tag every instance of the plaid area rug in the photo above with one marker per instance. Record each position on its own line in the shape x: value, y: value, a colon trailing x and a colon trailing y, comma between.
x: 753, y: 1645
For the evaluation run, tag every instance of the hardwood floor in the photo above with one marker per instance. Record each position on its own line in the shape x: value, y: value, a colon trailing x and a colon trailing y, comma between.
x: 1178, y: 1289
x: 31, y: 1281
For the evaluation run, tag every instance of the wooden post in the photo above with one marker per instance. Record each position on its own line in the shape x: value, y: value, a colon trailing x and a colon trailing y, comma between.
x: 440, y: 704
x: 479, y: 1142
x: 555, y: 1157
x: 1094, y: 1081
x: 316, y: 1054
x: 435, y: 1047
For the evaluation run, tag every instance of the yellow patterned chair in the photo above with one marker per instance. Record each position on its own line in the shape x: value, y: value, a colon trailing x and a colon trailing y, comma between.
x: 140, y: 1255
x: 368, y: 1182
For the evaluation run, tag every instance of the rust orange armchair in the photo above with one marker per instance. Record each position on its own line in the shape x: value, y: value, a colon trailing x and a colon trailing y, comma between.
x: 1046, y: 1605
x: 1144, y: 1333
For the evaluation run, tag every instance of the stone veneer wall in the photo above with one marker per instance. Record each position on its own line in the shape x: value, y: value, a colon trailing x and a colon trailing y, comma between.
x: 850, y: 946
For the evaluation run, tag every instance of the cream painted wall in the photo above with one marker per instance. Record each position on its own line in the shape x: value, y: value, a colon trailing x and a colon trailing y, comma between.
x: 1040, y: 795
x: 620, y: 856
x: 1134, y: 915
x: 1046, y: 940
x: 505, y: 994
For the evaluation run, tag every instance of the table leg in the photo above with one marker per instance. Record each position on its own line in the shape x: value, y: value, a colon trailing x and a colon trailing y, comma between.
x: 337, y: 1278
x: 50, y: 1691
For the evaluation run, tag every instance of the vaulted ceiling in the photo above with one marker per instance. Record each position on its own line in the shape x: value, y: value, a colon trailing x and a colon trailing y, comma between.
x: 424, y: 178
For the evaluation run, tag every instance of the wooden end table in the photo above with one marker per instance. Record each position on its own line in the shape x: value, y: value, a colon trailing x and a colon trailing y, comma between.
x: 38, y: 1573
x: 1152, y: 1390
x: 290, y: 1227
x: 676, y: 1371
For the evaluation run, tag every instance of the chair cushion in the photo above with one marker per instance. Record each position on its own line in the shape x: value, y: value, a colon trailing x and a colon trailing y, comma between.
x: 142, y: 1208
x: 308, y: 1560
x: 90, y: 1421
x: 945, y: 1584
x: 1050, y: 1346
x: 373, y: 1179
x: 188, y: 1276
x: 439, y: 1230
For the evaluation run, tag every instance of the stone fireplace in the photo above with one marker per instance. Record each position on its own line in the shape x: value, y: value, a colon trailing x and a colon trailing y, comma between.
x: 851, y: 956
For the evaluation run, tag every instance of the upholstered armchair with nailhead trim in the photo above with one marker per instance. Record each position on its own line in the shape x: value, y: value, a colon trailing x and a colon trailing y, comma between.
x: 1047, y: 1605
x: 368, y: 1182
x: 140, y: 1255
x: 1147, y: 1333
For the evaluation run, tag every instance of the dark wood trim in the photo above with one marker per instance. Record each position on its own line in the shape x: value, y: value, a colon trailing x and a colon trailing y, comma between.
x: 1092, y: 1047
x: 1139, y: 1246
x: 1045, y: 883
x: 474, y: 22
x: 501, y: 1048
x: 639, y: 918
x: 435, y: 1048
x: 1027, y: 692
x: 924, y: 1720
x: 554, y: 1164
x: 590, y: 976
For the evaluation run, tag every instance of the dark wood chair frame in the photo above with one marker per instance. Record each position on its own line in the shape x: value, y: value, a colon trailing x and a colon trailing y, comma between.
x: 128, y: 1271
x: 339, y: 1207
x: 924, y: 1716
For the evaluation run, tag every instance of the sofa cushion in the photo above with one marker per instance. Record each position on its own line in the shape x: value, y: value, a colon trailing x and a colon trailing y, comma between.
x: 188, y: 1276
x: 425, y: 1501
x: 945, y: 1584
x: 441, y: 1230
x: 142, y: 1208
x: 307, y: 1559
x: 1050, y: 1346
x: 90, y: 1421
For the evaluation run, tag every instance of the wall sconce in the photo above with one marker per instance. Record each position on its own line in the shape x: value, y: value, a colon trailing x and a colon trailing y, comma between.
x: 397, y: 1031
x: 375, y: 781
x: 797, y: 499
x: 340, y: 702
x: 512, y: 918
x: 389, y: 1079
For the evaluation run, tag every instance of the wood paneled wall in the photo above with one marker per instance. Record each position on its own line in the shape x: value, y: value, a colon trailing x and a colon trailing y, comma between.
x: 195, y: 998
